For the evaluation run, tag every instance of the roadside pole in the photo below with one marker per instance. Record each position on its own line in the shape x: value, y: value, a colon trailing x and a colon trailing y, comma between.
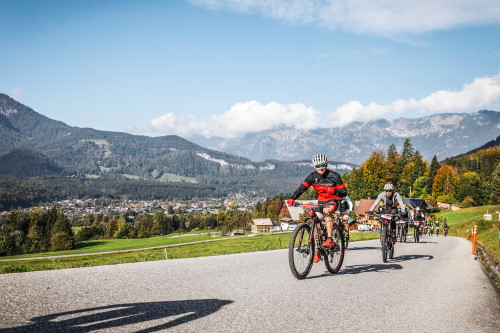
x: 474, y: 236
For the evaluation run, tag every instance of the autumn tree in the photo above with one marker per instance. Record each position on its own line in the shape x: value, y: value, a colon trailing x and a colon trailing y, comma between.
x: 445, y: 182
x: 374, y: 174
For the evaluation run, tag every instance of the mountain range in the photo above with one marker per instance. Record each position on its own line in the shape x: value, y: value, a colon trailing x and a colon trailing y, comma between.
x: 35, y: 145
x: 42, y: 159
x: 443, y: 135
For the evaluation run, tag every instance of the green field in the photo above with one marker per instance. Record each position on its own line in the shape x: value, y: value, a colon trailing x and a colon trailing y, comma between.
x: 462, y: 222
x: 223, y: 245
x: 176, y: 246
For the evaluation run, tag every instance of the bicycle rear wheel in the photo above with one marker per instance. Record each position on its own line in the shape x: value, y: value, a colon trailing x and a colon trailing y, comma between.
x: 384, y: 244
x: 334, y: 256
x: 301, y: 251
x: 391, y: 248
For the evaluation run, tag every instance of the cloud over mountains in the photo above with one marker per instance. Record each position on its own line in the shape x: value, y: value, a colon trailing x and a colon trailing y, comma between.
x: 253, y: 116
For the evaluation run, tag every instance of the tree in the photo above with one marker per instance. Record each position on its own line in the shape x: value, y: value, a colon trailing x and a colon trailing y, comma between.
x: 355, y: 184
x: 124, y: 230
x: 432, y: 172
x: 419, y: 189
x: 469, y: 185
x: 407, y: 152
x: 374, y: 173
x: 61, y: 241
x: 111, y: 228
x: 445, y: 181
x: 391, y: 164
x: 495, y: 189
x: 405, y: 181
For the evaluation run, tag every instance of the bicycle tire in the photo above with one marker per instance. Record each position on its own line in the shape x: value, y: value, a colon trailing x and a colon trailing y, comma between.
x: 301, y: 251
x: 391, y: 250
x: 334, y: 256
x: 346, y: 237
x: 384, y: 244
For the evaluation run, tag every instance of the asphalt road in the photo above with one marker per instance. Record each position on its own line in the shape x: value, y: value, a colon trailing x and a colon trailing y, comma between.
x: 433, y: 286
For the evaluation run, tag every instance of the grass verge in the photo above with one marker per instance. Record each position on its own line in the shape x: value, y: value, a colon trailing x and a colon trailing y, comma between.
x: 462, y: 222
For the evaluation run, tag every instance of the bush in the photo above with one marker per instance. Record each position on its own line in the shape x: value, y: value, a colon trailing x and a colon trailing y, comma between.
x: 468, y: 202
x: 14, y: 269
x: 431, y: 201
x: 125, y: 231
x: 446, y: 198
x: 88, y: 233
x: 61, y: 241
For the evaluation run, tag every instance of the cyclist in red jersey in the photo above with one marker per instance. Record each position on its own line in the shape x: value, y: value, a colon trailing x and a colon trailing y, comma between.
x: 330, y: 188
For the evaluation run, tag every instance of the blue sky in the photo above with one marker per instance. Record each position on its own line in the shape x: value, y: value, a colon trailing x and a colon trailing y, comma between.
x: 230, y: 67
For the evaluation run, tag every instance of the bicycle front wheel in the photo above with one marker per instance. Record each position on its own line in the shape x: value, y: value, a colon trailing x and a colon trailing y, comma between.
x: 301, y: 251
x: 334, y: 256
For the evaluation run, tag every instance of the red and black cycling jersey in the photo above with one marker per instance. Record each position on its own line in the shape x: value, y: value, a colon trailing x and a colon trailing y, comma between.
x: 329, y: 186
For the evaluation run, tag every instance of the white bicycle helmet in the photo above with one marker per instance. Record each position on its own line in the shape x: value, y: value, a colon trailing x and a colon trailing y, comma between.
x: 388, y: 187
x: 319, y: 159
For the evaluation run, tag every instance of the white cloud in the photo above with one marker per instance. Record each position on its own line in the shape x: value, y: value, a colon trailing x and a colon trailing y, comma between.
x: 16, y: 94
x: 379, y: 17
x: 252, y: 116
x: 241, y: 119
x: 481, y: 93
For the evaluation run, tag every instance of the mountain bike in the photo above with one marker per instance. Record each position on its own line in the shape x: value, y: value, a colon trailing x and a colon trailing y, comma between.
x: 401, y: 230
x: 445, y: 231
x: 387, y: 235
x: 417, y: 232
x: 308, y: 237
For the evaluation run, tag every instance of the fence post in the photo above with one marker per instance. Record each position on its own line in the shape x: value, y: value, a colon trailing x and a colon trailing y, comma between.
x: 474, y: 238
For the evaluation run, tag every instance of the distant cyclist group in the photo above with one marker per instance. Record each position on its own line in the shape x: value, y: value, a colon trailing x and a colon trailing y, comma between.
x: 324, y: 235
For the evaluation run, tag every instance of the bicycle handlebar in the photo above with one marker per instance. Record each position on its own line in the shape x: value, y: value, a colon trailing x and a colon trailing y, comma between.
x: 314, y: 205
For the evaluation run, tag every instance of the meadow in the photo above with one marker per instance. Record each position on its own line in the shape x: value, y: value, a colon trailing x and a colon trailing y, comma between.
x: 172, y: 246
x: 209, y: 243
x: 461, y: 223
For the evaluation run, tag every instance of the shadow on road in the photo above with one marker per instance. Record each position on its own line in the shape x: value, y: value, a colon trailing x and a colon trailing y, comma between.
x: 363, y: 248
x: 119, y: 315
x: 357, y: 269
x: 413, y: 257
